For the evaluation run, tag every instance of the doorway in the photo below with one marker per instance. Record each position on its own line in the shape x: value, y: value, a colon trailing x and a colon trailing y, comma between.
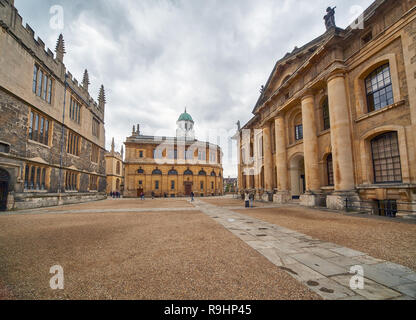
x: 4, y: 189
x: 188, y: 188
x: 139, y: 192
x: 297, y: 176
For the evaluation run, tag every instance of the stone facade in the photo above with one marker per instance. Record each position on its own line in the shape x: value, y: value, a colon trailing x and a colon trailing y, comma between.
x: 52, y: 135
x: 115, y: 170
x: 337, y: 117
x: 172, y: 167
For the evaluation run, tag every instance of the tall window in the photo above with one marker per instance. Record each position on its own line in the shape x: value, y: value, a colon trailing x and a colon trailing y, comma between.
x: 386, y: 158
x: 298, y: 132
x: 74, y: 144
x: 379, y: 88
x: 95, y: 153
x: 202, y: 155
x: 325, y: 114
x: 71, y: 181
x: 330, y: 170
x: 75, y: 110
x: 93, y: 183
x: 38, y: 128
x: 35, y: 178
x: 118, y: 168
x: 95, y: 128
x: 172, y: 185
x: 202, y: 186
x: 42, y: 84
x: 157, y: 154
x: 213, y: 156
x: 156, y: 185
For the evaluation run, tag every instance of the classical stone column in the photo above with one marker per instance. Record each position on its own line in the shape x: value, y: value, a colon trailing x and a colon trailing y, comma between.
x: 268, y: 159
x: 283, y: 194
x: 310, y: 144
x: 341, y: 141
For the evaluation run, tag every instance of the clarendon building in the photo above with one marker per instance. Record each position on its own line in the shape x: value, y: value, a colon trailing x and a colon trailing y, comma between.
x: 52, y: 132
x: 114, y: 166
x: 172, y: 166
x: 336, y: 120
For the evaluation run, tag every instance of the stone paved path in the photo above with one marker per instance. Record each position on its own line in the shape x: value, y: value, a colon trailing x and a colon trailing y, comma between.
x: 322, y: 266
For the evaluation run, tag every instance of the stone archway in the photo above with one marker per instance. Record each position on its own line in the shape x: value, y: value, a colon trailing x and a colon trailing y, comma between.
x: 297, y: 176
x: 4, y: 189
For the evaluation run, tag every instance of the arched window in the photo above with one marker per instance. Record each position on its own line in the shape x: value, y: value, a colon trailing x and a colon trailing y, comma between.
x: 157, y: 172
x: 330, y: 169
x: 140, y: 171
x: 213, y: 174
x: 379, y: 88
x: 188, y: 173
x: 386, y: 158
x: 173, y: 172
x: 202, y: 173
x: 325, y: 114
x: 118, y: 168
x: 298, y: 128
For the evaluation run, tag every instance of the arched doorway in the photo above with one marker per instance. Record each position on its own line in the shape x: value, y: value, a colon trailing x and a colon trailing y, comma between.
x: 297, y: 176
x: 4, y: 189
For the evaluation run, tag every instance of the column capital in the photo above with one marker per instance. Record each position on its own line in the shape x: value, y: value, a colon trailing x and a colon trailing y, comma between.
x: 308, y: 95
x: 336, y: 74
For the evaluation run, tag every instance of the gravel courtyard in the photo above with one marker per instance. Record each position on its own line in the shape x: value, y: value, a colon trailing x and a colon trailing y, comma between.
x: 135, y: 255
x: 168, y: 249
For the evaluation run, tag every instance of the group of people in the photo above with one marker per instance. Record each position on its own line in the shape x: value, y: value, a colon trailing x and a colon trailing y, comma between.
x: 249, y: 200
x: 115, y: 194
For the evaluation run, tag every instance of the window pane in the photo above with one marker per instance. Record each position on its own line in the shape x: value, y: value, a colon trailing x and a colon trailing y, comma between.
x: 35, y: 78
x: 50, y: 91
x: 379, y: 88
x: 386, y: 158
x: 31, y: 126
x: 40, y: 80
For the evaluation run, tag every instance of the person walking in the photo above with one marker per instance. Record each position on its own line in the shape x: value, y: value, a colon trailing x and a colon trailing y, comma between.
x: 247, y: 200
x: 192, y: 196
x: 142, y: 195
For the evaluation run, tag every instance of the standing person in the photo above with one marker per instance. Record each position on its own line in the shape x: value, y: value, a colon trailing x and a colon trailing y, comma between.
x: 111, y: 194
x: 153, y: 195
x: 251, y: 200
x: 247, y: 200
x: 192, y: 196
x: 142, y: 195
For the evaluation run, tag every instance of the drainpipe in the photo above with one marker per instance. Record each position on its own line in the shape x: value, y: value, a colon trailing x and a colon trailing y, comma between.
x: 62, y: 139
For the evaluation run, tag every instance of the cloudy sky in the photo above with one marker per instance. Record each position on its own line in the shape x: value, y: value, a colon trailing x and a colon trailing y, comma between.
x: 156, y: 57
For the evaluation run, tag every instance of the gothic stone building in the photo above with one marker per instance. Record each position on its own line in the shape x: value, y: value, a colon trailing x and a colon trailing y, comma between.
x: 114, y: 170
x: 172, y: 167
x: 52, y: 132
x: 337, y: 117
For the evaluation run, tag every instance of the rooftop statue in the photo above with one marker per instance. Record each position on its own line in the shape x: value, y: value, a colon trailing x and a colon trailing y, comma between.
x: 330, y: 18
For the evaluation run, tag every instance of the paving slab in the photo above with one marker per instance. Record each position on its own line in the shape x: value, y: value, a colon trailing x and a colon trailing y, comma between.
x: 318, y: 264
x: 407, y: 289
x: 372, y: 290
x: 330, y: 289
x: 384, y: 277
x: 347, y: 252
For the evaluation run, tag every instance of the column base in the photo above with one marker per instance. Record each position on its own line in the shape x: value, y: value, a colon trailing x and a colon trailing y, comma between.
x: 337, y: 200
x: 10, y: 202
x: 282, y: 197
x: 312, y: 200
